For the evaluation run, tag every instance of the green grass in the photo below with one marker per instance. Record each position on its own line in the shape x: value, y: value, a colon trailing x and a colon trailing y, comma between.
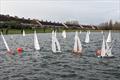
x: 48, y: 30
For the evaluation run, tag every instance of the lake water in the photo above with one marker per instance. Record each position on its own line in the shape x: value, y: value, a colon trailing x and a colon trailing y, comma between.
x: 45, y: 65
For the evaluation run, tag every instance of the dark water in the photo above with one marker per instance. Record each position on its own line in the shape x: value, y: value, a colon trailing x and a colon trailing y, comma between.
x: 45, y: 65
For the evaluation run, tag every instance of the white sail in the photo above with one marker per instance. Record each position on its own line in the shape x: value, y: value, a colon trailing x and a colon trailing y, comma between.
x: 55, y: 43
x: 103, y: 49
x: 109, y: 45
x: 36, y: 43
x: 23, y: 33
x: 77, y: 44
x: 6, y: 45
x: 87, y: 39
x: 108, y: 49
x: 109, y: 37
x: 64, y: 34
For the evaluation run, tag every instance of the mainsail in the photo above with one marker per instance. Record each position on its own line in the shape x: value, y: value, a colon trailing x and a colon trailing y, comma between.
x: 36, y: 43
x: 103, y: 49
x: 75, y: 43
x: 108, y: 49
x: 53, y: 42
x: 6, y: 45
x: 87, y: 39
x: 109, y: 37
x: 109, y: 44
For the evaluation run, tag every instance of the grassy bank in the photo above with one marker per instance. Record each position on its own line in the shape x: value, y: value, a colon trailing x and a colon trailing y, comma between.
x: 49, y: 30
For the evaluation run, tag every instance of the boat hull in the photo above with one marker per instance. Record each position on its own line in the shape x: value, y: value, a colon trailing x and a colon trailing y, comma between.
x: 106, y: 56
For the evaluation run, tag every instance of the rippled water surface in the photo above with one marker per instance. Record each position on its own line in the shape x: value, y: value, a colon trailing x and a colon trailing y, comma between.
x: 45, y: 65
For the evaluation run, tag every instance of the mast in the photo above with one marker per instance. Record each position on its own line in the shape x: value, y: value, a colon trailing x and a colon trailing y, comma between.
x: 6, y: 45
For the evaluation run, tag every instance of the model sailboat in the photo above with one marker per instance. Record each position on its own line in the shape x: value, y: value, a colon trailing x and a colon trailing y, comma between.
x: 23, y: 33
x: 109, y: 44
x: 105, y: 49
x: 64, y: 34
x: 36, y: 43
x: 77, y: 44
x: 55, y: 43
x: 87, y: 39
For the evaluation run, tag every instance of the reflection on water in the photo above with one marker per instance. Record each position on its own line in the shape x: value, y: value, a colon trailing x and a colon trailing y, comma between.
x: 45, y: 65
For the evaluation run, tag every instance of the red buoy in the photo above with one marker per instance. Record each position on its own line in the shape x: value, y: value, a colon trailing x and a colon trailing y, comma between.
x: 19, y: 50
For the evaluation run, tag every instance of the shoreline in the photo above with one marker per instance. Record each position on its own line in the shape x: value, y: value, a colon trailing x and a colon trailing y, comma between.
x: 29, y: 31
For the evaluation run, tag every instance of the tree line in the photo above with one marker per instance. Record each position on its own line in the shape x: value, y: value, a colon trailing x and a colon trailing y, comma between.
x: 109, y: 25
x: 15, y: 22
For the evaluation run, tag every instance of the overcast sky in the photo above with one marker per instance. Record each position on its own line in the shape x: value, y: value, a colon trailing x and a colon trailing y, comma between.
x: 85, y: 11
